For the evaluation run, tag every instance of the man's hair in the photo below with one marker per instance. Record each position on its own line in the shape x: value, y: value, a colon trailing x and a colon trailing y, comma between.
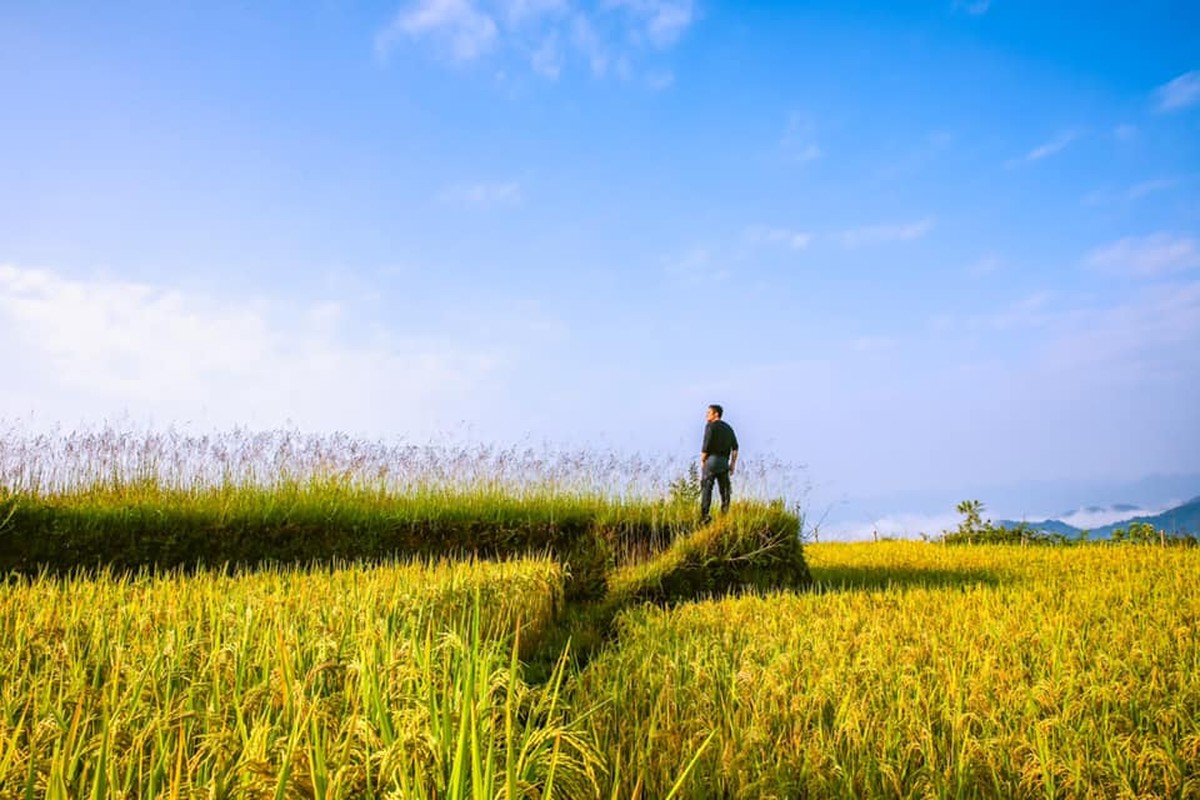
x: 720, y: 412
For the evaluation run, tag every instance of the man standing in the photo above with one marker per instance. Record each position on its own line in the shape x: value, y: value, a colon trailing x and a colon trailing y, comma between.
x: 718, y: 456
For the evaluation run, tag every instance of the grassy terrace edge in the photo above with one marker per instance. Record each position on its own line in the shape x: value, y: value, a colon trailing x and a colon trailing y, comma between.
x: 133, y: 525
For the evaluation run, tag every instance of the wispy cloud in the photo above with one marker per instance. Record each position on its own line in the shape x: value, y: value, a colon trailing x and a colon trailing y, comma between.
x: 1088, y: 518
x: 1146, y: 256
x: 1045, y: 150
x: 873, y: 344
x: 548, y: 57
x: 1125, y: 132
x: 1134, y: 193
x: 1140, y: 190
x: 520, y: 12
x: 590, y: 45
x: 660, y: 80
x: 458, y: 25
x: 482, y: 195
x: 1150, y: 335
x: 697, y: 265
x: 985, y: 265
x: 1099, y: 351
x: 547, y: 34
x: 883, y: 234
x: 975, y: 8
x: 110, y: 348
x: 1179, y: 93
x: 662, y: 21
x: 763, y: 234
x: 799, y: 141
x: 1031, y: 311
x: 892, y: 526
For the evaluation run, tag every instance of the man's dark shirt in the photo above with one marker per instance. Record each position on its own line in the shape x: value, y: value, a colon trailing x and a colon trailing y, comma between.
x: 719, y: 439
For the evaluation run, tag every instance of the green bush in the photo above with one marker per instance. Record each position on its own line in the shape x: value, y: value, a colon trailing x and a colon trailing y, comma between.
x: 755, y: 547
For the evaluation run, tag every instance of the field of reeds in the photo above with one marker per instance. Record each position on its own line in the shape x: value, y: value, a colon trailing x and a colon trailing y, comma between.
x: 711, y: 665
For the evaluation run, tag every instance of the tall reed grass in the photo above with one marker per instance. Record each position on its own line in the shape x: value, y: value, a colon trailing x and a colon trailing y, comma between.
x: 181, y: 461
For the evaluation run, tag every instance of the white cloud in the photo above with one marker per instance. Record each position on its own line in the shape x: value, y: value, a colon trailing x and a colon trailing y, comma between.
x: 547, y: 59
x: 882, y: 234
x: 799, y: 142
x: 985, y: 265
x: 663, y: 21
x: 1055, y: 145
x: 1144, y: 188
x: 1182, y: 92
x: 912, y: 525
x: 1028, y: 312
x: 547, y: 34
x: 659, y: 81
x: 975, y: 8
x: 872, y: 344
x: 483, y: 194
x: 765, y: 235
x: 97, y: 349
x: 696, y: 266
x: 1134, y: 193
x: 458, y: 24
x: 519, y: 12
x: 590, y: 45
x: 1146, y: 256
x: 1090, y: 518
x: 892, y: 526
x: 1149, y: 336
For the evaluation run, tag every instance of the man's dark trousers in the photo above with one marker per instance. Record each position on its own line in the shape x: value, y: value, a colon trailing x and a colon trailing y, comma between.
x: 716, y: 468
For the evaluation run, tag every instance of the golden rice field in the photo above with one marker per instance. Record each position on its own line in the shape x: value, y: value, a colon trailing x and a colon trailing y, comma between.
x: 356, y: 682
x: 919, y: 670
x: 913, y: 670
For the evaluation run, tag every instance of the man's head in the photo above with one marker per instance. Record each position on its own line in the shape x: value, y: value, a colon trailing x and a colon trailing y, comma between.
x: 714, y: 412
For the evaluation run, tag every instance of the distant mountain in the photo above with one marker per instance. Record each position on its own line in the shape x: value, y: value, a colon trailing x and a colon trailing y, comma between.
x: 1180, y: 519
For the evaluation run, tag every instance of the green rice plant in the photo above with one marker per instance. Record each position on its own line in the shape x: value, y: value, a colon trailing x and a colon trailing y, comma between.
x: 399, y: 680
x: 1037, y: 672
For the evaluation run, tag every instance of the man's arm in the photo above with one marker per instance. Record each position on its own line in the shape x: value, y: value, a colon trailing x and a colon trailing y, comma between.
x: 732, y: 460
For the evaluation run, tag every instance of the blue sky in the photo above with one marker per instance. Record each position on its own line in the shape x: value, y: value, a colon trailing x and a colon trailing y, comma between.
x: 930, y: 251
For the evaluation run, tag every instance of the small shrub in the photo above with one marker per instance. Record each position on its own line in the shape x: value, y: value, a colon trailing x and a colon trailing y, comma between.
x: 756, y: 548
